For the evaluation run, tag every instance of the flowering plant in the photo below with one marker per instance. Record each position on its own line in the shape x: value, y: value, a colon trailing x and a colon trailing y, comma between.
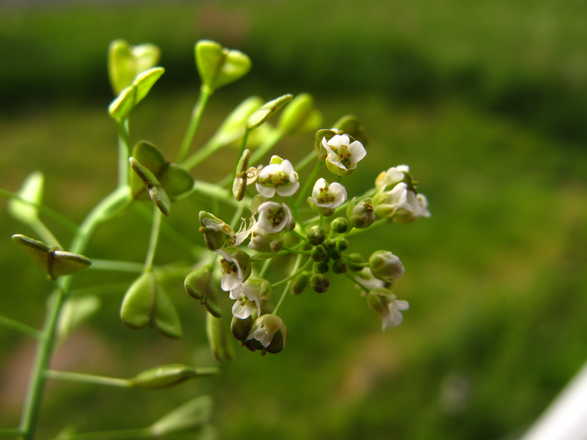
x: 305, y: 220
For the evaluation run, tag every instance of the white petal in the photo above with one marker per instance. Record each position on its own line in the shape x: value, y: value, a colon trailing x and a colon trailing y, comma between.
x: 242, y: 310
x: 261, y: 335
x: 229, y: 281
x: 358, y: 152
x: 288, y: 189
x: 339, y: 140
x: 340, y: 194
x: 265, y: 191
x: 287, y: 167
x: 402, y: 304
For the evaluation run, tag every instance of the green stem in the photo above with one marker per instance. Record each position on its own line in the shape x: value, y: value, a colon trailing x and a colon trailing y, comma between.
x: 376, y: 223
x: 123, y: 152
x: 10, y: 432
x: 288, y: 285
x: 201, y: 155
x: 157, y: 216
x: 88, y: 378
x: 34, y: 397
x: 19, y: 327
x: 58, y: 217
x: 266, y: 147
x: 293, y: 275
x: 265, y: 266
x: 215, y: 192
x: 350, y: 277
x: 195, y: 120
x: 127, y: 434
x: 45, y: 234
x: 117, y: 266
x: 305, y: 161
x: 307, y: 184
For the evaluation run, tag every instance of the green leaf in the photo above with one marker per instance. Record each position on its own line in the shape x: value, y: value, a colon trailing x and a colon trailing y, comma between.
x: 166, y: 317
x: 128, y: 98
x: 31, y: 191
x: 191, y: 416
x: 164, y: 376
x: 268, y: 109
x: 219, y: 66
x: 139, y: 301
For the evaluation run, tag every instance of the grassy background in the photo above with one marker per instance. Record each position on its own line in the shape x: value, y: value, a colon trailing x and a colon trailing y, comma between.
x: 484, y: 100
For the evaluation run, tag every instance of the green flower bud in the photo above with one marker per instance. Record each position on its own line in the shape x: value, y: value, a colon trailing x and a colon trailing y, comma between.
x: 360, y: 214
x: 321, y: 267
x: 189, y: 417
x: 56, y: 262
x: 240, y: 328
x: 164, y: 376
x: 319, y: 254
x: 332, y: 249
x: 340, y: 225
x: 138, y: 303
x: 342, y: 244
x: 219, y: 66
x: 316, y: 235
x: 300, y: 283
x: 218, y: 338
x: 320, y: 283
x: 356, y: 262
x: 386, y: 266
x: 339, y: 267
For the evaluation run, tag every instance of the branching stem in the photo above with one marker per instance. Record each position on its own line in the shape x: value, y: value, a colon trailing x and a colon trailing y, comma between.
x: 195, y: 120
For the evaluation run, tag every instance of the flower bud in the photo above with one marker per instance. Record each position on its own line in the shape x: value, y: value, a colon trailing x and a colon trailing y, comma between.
x: 339, y: 266
x: 356, y: 262
x: 164, y: 376
x: 386, y: 266
x: 316, y: 235
x: 270, y: 332
x: 319, y: 254
x: 300, y: 283
x: 268, y: 109
x: 321, y: 267
x: 360, y: 214
x: 340, y: 225
x: 320, y: 283
x: 342, y: 244
x: 218, y: 338
x: 332, y: 249
x: 240, y: 328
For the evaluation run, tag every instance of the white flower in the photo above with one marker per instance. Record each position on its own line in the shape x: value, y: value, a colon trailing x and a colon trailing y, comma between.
x: 277, y: 177
x: 236, y: 268
x: 249, y: 296
x: 391, y: 177
x: 265, y: 329
x: 342, y: 155
x: 244, y: 307
x: 393, y: 316
x: 366, y: 279
x: 273, y: 218
x: 329, y: 196
x: 388, y: 307
x: 401, y: 204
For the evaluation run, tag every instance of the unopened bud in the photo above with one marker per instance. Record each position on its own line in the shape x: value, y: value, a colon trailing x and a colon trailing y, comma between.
x: 320, y: 283
x: 139, y: 301
x: 321, y: 267
x: 270, y: 332
x: 319, y: 254
x: 340, y: 225
x: 163, y: 377
x: 342, y: 244
x: 300, y: 283
x: 386, y: 266
x: 339, y: 267
x: 356, y: 262
x: 197, y: 285
x: 316, y: 235
x: 361, y: 214
x: 240, y: 328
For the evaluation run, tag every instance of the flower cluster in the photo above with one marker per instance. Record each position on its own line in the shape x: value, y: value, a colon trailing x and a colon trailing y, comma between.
x: 301, y: 229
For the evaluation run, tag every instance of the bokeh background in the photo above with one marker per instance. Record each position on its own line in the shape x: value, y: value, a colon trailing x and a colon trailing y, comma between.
x: 485, y: 99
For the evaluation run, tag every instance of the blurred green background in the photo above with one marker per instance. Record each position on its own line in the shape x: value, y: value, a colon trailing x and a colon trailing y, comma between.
x: 486, y: 101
